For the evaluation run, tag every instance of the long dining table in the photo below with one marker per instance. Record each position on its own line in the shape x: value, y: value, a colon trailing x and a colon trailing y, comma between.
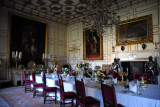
x: 149, y: 97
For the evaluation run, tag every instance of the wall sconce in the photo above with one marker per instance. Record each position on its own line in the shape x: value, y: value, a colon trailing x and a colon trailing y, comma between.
x: 122, y: 48
x: 144, y: 46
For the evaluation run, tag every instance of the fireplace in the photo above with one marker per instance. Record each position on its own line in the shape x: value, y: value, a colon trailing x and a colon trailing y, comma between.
x: 133, y: 67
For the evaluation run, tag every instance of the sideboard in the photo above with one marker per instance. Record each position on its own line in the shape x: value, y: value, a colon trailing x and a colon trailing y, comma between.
x: 16, y: 72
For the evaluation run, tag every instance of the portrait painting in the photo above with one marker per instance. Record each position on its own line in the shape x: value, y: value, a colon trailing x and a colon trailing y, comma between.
x: 134, y: 31
x: 29, y: 37
x: 92, y: 46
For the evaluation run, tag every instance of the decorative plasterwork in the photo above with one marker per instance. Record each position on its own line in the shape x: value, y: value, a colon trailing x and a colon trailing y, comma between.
x: 61, y: 11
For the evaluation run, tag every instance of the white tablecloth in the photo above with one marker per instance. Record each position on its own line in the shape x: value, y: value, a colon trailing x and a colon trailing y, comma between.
x: 150, y: 96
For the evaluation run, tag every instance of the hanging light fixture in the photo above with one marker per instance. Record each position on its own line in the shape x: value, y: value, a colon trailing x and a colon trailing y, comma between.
x: 102, y: 14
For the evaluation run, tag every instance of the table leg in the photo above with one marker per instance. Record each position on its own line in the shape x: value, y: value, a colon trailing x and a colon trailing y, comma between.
x: 15, y: 80
x: 21, y: 79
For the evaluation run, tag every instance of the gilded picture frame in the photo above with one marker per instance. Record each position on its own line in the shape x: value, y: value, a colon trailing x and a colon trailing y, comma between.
x: 92, y: 45
x: 135, y: 31
x: 29, y: 36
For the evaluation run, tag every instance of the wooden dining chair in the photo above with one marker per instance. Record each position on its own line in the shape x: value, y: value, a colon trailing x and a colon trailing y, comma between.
x: 65, y: 95
x: 139, y: 75
x: 47, y: 90
x: 72, y: 73
x: 36, y: 86
x: 82, y: 99
x: 109, y: 96
x: 27, y: 83
x: 116, y: 75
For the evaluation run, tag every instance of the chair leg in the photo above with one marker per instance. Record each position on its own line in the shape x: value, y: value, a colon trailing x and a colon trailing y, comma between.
x: 25, y: 89
x: 64, y: 103
x: 55, y: 98
x: 34, y: 92
x: 72, y: 101
x: 44, y: 98
x: 76, y: 104
x: 60, y: 103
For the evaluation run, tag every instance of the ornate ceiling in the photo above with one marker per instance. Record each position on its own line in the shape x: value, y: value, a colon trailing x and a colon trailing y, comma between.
x: 62, y: 11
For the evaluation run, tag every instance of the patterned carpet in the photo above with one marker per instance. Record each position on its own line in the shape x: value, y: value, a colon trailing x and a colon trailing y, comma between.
x: 16, y: 97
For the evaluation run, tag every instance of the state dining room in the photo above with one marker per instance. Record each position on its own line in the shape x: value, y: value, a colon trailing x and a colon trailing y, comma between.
x: 79, y: 53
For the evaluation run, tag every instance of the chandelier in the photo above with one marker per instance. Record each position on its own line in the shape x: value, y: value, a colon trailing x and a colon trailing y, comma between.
x: 102, y: 14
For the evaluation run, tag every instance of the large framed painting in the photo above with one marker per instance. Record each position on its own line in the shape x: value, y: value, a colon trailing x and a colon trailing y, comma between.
x: 135, y: 31
x: 92, y: 46
x: 28, y: 36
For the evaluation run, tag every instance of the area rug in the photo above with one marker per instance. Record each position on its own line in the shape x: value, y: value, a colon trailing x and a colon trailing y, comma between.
x: 16, y: 97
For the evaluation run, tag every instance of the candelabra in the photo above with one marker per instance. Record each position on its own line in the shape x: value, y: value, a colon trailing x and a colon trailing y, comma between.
x: 121, y: 74
x: 45, y: 59
x: 16, y: 56
x: 126, y: 74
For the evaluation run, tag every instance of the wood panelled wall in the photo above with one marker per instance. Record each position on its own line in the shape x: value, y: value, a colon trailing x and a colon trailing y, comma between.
x: 56, y: 41
x: 66, y: 42
x: 75, y: 37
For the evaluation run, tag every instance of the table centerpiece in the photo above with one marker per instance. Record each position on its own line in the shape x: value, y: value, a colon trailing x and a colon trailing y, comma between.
x: 65, y: 72
x: 99, y: 76
x: 81, y: 68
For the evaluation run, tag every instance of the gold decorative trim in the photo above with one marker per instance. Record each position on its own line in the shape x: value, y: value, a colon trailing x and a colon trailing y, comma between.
x: 139, y: 40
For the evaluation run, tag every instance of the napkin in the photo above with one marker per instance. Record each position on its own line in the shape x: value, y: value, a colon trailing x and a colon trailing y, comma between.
x: 115, y: 80
x: 67, y: 78
x: 133, y: 87
x: 53, y: 76
x: 138, y: 83
x: 42, y: 74
x: 96, y: 79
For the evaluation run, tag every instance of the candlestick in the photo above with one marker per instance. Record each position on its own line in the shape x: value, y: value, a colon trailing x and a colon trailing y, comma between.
x: 45, y: 58
x: 20, y: 55
x: 16, y: 57
x: 127, y: 69
x: 16, y: 53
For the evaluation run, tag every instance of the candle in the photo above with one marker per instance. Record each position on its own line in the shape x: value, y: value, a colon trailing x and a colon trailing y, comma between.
x: 119, y: 70
x: 20, y: 55
x: 16, y: 53
x: 127, y: 69
x: 51, y: 67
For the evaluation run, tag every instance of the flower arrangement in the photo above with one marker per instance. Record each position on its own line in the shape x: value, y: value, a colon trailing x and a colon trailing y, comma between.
x: 97, y: 67
x: 65, y: 70
x: 99, y: 74
x: 81, y: 66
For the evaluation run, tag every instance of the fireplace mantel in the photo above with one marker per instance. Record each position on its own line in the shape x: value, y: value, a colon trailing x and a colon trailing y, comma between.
x: 133, y: 67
